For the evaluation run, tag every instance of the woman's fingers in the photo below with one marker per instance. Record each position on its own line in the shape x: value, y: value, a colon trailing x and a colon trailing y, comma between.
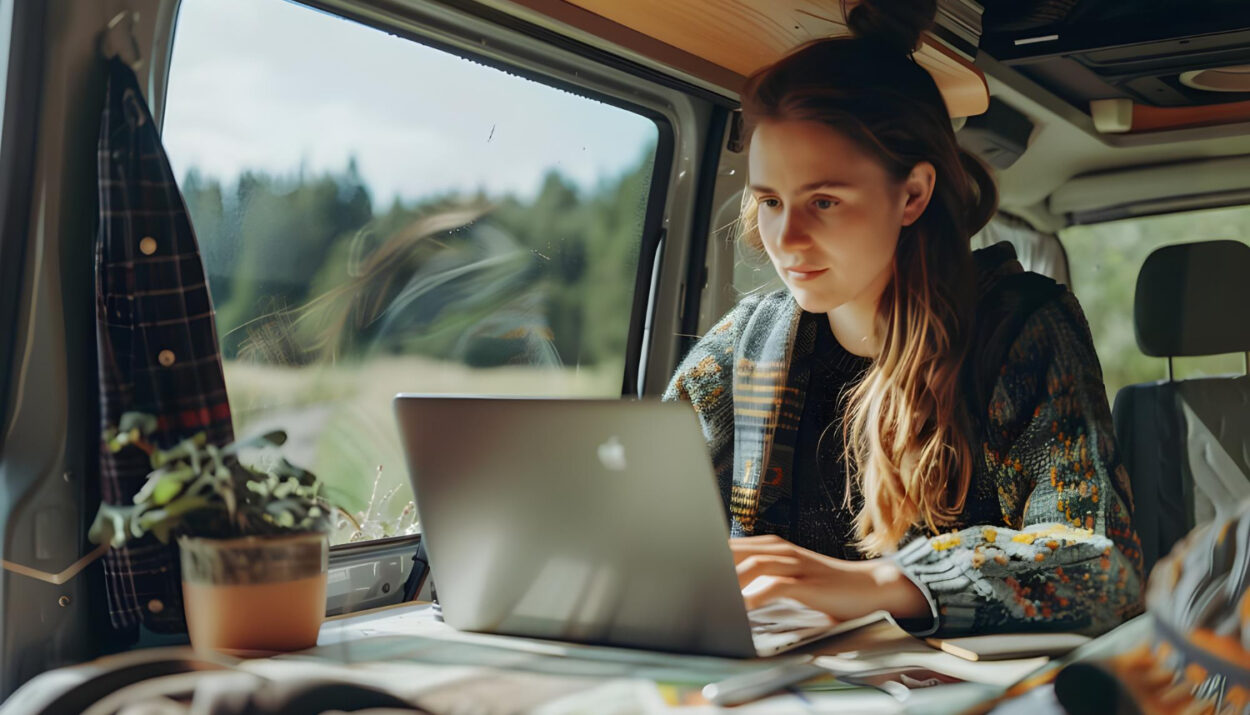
x: 758, y: 539
x: 756, y: 565
x: 767, y: 545
x: 767, y: 589
x: 770, y: 567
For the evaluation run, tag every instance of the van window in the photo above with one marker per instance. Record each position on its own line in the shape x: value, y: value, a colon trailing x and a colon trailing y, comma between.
x: 379, y: 216
x: 1105, y: 259
x: 6, y: 41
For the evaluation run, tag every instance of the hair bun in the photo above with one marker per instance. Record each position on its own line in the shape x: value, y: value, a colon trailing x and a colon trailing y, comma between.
x: 897, y: 24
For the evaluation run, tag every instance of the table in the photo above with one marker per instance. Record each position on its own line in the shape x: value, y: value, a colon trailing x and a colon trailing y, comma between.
x: 408, y: 651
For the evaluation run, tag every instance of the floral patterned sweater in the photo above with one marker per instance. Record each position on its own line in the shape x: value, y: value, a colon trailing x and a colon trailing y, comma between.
x: 1051, y: 545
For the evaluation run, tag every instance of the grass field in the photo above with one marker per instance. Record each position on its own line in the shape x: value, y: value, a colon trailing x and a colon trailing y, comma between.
x: 340, y: 424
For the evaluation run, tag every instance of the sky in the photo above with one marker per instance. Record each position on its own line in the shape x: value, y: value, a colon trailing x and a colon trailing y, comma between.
x: 270, y: 85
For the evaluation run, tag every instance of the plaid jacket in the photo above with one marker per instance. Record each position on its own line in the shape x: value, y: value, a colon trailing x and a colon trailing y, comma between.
x: 155, y: 334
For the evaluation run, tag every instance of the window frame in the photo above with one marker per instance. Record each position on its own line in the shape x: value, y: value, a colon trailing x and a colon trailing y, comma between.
x: 18, y: 136
x: 516, y: 46
x: 19, y: 158
x: 671, y: 252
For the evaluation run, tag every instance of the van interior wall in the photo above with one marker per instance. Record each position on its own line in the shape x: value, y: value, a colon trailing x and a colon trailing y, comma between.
x: 1064, y: 144
x: 1146, y: 186
x: 50, y: 432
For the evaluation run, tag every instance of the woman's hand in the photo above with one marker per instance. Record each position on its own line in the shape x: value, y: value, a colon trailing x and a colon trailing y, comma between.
x: 842, y: 589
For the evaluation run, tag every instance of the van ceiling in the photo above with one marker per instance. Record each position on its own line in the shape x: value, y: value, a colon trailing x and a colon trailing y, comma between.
x: 725, y: 40
x: 1045, y: 58
x: 1148, y: 52
x: 1051, y: 58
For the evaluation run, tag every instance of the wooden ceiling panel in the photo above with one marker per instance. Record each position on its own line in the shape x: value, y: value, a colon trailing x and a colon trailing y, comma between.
x: 1153, y: 119
x: 739, y: 35
x: 726, y: 40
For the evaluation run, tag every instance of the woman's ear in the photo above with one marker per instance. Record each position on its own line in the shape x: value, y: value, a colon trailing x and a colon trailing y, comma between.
x: 918, y: 189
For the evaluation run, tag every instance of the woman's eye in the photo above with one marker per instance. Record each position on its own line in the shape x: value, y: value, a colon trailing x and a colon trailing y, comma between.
x: 770, y: 203
x: 825, y: 203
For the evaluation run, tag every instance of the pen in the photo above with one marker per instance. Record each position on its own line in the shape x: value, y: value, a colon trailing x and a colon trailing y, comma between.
x: 739, y: 689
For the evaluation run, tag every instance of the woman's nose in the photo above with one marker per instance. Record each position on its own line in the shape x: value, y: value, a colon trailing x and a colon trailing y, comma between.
x: 793, y: 230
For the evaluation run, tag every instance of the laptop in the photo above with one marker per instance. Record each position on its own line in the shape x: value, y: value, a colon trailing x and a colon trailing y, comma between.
x: 592, y: 521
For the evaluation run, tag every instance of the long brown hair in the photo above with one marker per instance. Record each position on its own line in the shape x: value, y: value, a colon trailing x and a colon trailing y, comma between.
x: 906, y: 426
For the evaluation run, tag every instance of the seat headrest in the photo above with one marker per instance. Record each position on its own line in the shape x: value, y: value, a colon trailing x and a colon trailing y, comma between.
x: 1194, y: 299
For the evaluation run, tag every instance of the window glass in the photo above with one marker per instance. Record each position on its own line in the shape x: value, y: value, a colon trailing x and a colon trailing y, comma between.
x: 753, y: 271
x: 1104, y: 260
x: 6, y: 39
x: 377, y: 216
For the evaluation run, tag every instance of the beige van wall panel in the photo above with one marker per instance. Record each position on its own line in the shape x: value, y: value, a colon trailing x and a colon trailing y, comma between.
x: 1119, y: 188
x: 732, y: 38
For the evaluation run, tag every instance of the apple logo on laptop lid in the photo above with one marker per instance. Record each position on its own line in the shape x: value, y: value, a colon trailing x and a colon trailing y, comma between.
x: 612, y: 454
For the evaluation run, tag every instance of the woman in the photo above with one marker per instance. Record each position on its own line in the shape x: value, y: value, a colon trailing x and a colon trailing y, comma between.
x: 907, y: 426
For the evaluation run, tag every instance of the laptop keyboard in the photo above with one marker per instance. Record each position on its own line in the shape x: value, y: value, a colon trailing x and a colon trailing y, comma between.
x: 785, y: 622
x: 781, y: 624
x: 785, y: 614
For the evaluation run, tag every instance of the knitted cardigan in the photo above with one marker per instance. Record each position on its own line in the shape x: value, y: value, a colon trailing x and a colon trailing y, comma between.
x: 1063, y: 556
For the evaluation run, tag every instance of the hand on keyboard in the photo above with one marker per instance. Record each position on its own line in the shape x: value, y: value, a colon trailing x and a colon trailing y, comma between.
x: 786, y: 614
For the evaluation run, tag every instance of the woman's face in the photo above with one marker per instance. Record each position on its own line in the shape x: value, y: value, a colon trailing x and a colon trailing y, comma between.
x: 829, y: 214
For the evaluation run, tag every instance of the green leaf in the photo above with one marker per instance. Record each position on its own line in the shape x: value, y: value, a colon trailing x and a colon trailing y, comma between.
x: 285, y: 489
x: 161, y: 522
x: 164, y: 484
x: 166, y: 489
x: 201, y: 489
x: 276, y: 438
x: 140, y: 422
x: 110, y: 525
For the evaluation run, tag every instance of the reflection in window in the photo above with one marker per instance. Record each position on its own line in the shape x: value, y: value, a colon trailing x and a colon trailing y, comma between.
x: 379, y: 217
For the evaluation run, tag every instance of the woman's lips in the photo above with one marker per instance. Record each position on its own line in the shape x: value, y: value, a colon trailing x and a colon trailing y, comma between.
x: 805, y: 274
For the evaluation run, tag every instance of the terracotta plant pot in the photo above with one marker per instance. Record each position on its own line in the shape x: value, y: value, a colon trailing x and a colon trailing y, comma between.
x: 256, y: 593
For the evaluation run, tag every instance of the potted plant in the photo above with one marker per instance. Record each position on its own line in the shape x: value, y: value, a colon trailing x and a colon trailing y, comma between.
x: 251, y: 528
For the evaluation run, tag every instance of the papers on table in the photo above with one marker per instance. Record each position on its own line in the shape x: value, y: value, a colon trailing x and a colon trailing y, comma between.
x: 448, y: 661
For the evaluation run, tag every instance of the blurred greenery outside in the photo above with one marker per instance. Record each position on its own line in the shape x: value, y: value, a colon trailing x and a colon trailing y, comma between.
x: 327, y: 307
x: 1104, y: 260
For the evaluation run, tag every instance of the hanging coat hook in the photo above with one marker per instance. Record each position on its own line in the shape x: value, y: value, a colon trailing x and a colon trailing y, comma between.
x: 126, y: 49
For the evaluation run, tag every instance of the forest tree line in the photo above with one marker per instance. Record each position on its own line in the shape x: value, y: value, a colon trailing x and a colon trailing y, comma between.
x: 305, y: 268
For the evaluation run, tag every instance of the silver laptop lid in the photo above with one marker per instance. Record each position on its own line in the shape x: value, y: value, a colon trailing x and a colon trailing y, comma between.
x: 585, y: 520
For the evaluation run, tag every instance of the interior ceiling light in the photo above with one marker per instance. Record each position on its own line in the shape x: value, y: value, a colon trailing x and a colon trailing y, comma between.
x: 1219, y: 79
